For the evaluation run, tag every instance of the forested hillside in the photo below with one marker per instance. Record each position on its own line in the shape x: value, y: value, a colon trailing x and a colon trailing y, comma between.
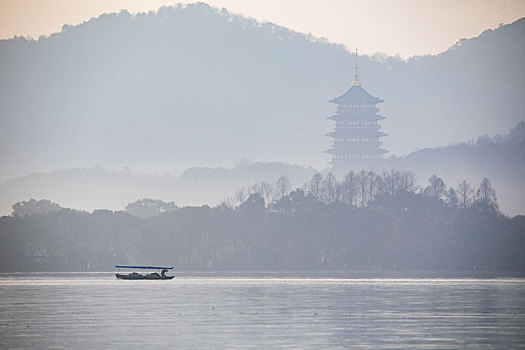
x: 192, y: 85
x: 366, y: 221
x: 499, y: 157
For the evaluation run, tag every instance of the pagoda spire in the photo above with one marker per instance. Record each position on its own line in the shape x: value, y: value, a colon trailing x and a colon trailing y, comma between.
x: 356, y: 81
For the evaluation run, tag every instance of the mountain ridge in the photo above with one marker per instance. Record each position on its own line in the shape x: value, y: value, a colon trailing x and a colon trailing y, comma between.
x: 165, y: 91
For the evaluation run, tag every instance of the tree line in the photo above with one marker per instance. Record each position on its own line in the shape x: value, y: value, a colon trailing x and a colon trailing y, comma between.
x: 359, y: 189
x: 367, y: 221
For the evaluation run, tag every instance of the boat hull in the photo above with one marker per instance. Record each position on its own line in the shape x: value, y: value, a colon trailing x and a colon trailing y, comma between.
x: 142, y: 277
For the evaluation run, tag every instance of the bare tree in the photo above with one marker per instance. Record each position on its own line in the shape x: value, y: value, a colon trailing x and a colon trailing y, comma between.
x: 437, y: 187
x: 362, y: 188
x: 253, y: 189
x: 452, y: 198
x: 378, y: 188
x: 465, y: 192
x: 486, y: 195
x: 349, y: 189
x: 391, y: 181
x: 314, y: 186
x: 241, y: 195
x: 282, y: 187
x: 370, y: 185
x: 266, y: 191
x: 330, y: 188
x: 227, y: 204
x: 304, y: 188
x: 395, y: 181
x: 407, y: 182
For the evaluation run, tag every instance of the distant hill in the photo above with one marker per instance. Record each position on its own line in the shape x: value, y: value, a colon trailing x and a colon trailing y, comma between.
x: 501, y: 158
x: 194, y: 85
x: 102, y: 188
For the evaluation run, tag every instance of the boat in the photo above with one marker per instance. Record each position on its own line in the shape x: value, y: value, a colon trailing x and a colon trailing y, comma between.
x: 154, y: 275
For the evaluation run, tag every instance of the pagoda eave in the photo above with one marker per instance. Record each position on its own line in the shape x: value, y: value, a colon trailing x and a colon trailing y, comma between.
x: 340, y: 149
x: 339, y: 116
x: 356, y: 133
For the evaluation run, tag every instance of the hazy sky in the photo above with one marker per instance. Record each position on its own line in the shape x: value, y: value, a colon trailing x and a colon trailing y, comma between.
x: 405, y: 27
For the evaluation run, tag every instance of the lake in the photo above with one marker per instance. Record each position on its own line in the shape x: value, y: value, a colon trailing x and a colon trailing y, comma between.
x: 260, y: 311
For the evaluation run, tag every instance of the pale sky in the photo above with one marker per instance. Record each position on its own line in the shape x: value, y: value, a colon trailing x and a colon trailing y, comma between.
x: 404, y: 27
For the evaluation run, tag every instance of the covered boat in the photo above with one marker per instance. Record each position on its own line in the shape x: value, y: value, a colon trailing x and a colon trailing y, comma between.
x: 156, y: 273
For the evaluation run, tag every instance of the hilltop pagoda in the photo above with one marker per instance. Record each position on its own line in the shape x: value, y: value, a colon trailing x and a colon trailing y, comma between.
x: 356, y: 133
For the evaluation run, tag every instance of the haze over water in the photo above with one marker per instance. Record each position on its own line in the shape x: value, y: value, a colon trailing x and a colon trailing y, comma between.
x: 94, y: 310
x: 254, y: 138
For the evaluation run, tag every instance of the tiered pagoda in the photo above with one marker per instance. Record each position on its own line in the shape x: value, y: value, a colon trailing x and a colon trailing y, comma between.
x: 356, y: 133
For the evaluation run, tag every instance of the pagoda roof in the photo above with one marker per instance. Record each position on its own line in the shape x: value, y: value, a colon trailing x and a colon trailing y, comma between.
x: 349, y: 150
x: 356, y: 94
x: 356, y: 133
x: 341, y: 116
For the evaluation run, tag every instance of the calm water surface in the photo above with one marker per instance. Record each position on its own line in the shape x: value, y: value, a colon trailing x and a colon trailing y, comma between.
x: 96, y: 311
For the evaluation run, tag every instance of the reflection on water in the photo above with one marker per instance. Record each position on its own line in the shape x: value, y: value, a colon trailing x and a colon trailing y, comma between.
x: 94, y: 310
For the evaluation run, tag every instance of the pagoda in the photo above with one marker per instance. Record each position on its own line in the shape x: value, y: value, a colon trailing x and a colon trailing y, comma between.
x: 356, y: 133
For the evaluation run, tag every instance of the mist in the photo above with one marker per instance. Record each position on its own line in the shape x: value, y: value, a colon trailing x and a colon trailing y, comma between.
x: 186, y: 86
x: 258, y: 187
x: 157, y: 94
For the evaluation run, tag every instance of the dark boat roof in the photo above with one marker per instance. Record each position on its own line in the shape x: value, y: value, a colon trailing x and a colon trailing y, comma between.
x: 144, y: 267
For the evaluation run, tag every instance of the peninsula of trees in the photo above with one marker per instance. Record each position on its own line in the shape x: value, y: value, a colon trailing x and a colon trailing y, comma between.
x: 366, y: 221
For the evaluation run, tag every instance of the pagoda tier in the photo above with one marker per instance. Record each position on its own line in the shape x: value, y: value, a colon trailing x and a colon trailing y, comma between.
x: 354, y: 117
x: 356, y: 135
x: 357, y: 132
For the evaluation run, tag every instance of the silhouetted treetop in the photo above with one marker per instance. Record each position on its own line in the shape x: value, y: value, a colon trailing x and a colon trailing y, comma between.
x: 148, y: 208
x: 33, y: 206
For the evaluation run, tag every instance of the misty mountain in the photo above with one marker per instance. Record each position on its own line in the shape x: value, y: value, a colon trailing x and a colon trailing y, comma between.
x: 501, y: 158
x: 192, y: 85
x: 102, y: 188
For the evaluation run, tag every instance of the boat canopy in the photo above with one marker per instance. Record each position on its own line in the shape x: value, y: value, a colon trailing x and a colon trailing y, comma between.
x: 144, y: 267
